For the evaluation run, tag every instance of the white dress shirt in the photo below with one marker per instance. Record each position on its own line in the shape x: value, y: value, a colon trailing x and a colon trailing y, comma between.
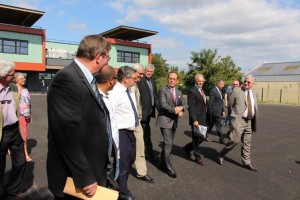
x: 245, y: 115
x: 110, y: 104
x: 124, y: 113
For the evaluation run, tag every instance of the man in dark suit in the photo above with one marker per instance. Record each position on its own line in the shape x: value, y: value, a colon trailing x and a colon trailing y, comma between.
x: 171, y: 106
x: 148, y: 91
x: 243, y: 102
x: 216, y: 109
x: 79, y: 142
x: 197, y: 116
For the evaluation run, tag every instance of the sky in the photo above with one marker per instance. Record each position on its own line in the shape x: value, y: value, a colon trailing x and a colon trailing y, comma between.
x: 250, y: 32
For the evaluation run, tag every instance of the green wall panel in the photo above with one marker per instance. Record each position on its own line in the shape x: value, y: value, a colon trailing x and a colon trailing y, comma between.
x: 113, y: 54
x: 34, y: 47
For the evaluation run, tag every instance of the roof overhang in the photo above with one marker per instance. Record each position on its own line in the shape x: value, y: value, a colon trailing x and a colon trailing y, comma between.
x: 127, y: 33
x: 19, y: 16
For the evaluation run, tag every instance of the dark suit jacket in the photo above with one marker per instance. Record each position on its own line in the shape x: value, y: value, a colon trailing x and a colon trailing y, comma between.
x: 216, y: 106
x: 147, y: 108
x: 77, y: 132
x: 238, y: 102
x: 197, y: 107
x: 166, y: 112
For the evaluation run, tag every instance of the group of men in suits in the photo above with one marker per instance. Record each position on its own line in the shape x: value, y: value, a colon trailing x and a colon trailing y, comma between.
x: 243, y: 104
x: 96, y: 132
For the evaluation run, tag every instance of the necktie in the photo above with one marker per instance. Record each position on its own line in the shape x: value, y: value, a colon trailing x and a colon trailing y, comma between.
x: 249, y: 106
x: 106, y: 113
x: 151, y: 91
x: 133, y: 108
x: 203, y: 95
x: 173, y: 95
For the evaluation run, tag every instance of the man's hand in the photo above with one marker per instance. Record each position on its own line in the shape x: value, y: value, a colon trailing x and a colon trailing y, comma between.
x: 223, y: 114
x: 178, y: 109
x: 196, y: 124
x: 180, y: 114
x: 90, y: 190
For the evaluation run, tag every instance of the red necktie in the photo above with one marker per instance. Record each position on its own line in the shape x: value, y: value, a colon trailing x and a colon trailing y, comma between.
x: 203, y: 95
x: 173, y: 95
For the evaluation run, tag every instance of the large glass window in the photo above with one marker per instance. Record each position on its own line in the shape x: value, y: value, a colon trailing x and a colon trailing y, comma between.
x: 13, y: 46
x: 129, y: 57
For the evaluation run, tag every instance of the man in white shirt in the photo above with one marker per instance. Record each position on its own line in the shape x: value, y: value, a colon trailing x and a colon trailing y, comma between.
x: 127, y: 118
x: 243, y: 102
x: 106, y: 80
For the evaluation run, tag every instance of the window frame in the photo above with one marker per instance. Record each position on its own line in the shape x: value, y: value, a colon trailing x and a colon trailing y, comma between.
x: 128, y: 56
x: 13, y: 46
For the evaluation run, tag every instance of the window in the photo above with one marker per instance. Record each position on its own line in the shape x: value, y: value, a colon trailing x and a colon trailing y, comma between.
x: 13, y: 46
x: 129, y: 57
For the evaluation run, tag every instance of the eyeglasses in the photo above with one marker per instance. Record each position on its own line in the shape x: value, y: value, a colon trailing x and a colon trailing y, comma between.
x: 247, y: 82
x: 5, y: 101
x: 134, y: 78
x: 107, y: 57
x: 235, y: 84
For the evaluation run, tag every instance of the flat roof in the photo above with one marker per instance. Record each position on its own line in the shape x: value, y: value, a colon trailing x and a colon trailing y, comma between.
x: 127, y: 33
x: 19, y: 16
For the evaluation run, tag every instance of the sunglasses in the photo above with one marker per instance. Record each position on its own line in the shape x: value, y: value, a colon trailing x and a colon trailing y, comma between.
x: 5, y: 101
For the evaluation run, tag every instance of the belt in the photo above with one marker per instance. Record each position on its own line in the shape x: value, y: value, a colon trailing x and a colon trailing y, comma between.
x: 126, y: 130
x: 245, y: 118
x: 10, y: 127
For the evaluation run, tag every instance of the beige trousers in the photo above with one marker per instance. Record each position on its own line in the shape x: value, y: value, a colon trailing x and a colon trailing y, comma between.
x: 242, y: 132
x: 140, y: 161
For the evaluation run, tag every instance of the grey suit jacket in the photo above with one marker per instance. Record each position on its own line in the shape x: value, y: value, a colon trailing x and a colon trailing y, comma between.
x: 238, y: 102
x: 166, y: 112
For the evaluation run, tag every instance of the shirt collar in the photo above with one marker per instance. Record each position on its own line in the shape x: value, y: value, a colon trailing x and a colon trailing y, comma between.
x: 89, y: 76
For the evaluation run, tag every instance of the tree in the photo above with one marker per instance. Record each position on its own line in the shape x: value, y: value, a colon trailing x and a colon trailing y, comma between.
x: 213, y: 67
x: 161, y: 70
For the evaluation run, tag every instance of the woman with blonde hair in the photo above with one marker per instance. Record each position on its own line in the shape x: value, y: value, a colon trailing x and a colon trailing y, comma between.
x: 25, y: 109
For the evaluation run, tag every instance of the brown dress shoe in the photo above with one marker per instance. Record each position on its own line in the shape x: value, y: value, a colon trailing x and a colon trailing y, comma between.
x: 199, y: 162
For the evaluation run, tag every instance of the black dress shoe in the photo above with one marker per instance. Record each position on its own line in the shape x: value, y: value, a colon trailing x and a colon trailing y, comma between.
x: 251, y: 168
x: 147, y: 179
x: 171, y: 173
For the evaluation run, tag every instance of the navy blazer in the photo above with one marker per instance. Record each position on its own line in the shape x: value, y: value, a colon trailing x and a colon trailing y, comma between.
x: 216, y: 106
x: 197, y: 106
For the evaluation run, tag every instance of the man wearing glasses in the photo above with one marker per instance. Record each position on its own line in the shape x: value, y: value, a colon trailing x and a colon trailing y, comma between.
x: 79, y: 138
x: 10, y: 136
x: 243, y: 102
x: 127, y: 118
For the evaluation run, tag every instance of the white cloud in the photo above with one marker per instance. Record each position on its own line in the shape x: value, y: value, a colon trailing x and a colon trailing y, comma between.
x: 251, y: 32
x: 78, y: 27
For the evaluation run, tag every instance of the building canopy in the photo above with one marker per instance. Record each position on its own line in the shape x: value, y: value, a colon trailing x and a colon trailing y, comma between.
x: 19, y: 16
x: 127, y: 33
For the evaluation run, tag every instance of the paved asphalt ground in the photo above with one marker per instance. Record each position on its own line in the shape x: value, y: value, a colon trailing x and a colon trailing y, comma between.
x: 275, y: 152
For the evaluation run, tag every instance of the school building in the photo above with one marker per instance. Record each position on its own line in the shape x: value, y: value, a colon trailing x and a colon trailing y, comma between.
x: 39, y: 58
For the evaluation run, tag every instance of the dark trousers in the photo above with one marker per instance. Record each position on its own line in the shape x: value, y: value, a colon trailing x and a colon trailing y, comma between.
x: 147, y: 137
x: 194, y: 145
x: 217, y: 122
x: 168, y: 135
x: 127, y: 157
x: 12, y: 139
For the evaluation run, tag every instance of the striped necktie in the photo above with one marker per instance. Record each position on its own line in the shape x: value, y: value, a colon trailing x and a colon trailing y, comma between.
x: 133, y: 108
